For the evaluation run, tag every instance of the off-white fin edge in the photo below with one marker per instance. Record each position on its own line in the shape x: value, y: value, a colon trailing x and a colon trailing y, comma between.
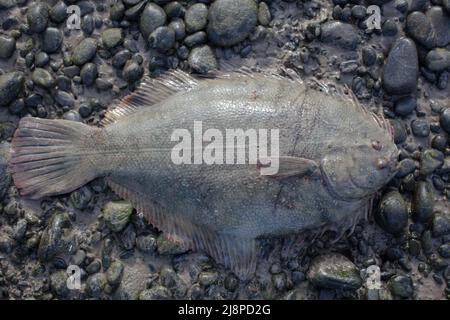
x: 149, y: 92
x: 153, y: 90
x: 235, y: 253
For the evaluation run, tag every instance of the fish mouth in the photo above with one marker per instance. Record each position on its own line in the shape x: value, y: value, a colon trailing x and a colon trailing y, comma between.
x: 331, y: 189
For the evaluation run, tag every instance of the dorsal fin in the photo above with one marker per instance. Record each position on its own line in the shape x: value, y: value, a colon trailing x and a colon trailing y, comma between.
x: 150, y: 92
x: 154, y: 90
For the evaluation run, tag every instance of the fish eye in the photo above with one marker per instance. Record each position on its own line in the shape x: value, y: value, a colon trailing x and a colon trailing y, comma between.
x: 381, y: 163
x: 377, y: 145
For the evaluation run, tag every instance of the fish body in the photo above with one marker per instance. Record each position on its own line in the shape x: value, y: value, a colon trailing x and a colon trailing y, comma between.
x: 333, y: 156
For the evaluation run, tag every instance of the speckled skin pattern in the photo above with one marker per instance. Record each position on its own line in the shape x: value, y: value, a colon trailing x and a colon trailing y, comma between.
x: 330, y: 129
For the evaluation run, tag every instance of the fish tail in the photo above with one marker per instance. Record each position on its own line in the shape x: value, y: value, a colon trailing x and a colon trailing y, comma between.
x: 51, y: 157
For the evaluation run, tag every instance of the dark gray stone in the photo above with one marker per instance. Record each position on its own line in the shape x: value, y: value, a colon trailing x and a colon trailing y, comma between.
x: 231, y: 21
x: 7, y: 47
x: 202, y: 59
x: 334, y: 271
x: 196, y: 17
x: 11, y: 85
x: 162, y: 39
x: 392, y: 215
x: 401, y: 69
x: 37, y: 16
x: 84, y: 52
x: 341, y: 34
x: 152, y: 17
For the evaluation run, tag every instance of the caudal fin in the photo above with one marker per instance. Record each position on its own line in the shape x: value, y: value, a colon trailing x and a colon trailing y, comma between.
x: 51, y: 157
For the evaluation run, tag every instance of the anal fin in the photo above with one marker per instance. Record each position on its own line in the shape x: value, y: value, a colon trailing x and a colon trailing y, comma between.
x: 235, y: 253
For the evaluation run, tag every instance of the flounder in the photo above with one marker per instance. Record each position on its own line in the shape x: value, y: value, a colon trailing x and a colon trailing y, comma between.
x: 333, y: 157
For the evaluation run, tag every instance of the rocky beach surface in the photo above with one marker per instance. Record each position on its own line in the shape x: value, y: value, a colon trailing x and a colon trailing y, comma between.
x: 50, y: 68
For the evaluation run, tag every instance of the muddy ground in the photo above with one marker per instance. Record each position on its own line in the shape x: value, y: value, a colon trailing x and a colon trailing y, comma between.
x: 137, y: 262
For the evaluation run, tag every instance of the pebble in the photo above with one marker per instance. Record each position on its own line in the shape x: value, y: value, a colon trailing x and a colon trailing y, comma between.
x: 132, y: 71
x: 52, y: 40
x: 5, y: 176
x: 342, y: 34
x: 440, y: 225
x: 420, y: 128
x: 405, y: 167
x: 359, y: 11
x: 7, y: 47
x: 117, y: 11
x: 444, y: 120
x: 120, y: 58
x: 43, y: 78
x: 279, y: 281
x: 444, y: 250
x: 401, y: 286
x: 264, y: 15
x: 84, y: 52
x: 94, y: 266
x: 334, y: 271
x: 400, y: 134
x: 112, y: 37
x: 195, y: 39
x: 369, y: 56
x: 151, y: 18
x: 162, y: 39
x: 128, y: 237
x: 146, y: 243
x: 6, y: 243
x: 41, y: 59
x: 88, y: 74
x: 392, y: 215
x: 117, y: 214
x: 58, y: 13
x: 58, y: 283
x: 174, y: 9
x: 231, y: 21
x: 78, y: 257
x: 389, y: 28
x: 430, y: 29
x: 37, y: 17
x: 87, y: 24
x: 11, y: 85
x: 401, y: 69
x: 64, y: 99
x: 422, y: 202
x: 202, y: 59
x: 72, y: 71
x: 438, y: 60
x: 114, y: 273
x: 133, y: 13
x: 207, y: 278
x: 155, y: 293
x: 178, y: 26
x: 95, y: 284
x: 231, y: 282
x: 431, y: 160
x: 405, y: 106
x: 196, y: 17
x: 51, y: 242
x: 103, y: 84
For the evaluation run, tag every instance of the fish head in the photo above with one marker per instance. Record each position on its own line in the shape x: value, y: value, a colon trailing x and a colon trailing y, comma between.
x: 361, y: 170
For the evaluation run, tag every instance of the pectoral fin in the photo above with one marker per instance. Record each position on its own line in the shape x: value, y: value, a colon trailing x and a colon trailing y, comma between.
x: 289, y: 166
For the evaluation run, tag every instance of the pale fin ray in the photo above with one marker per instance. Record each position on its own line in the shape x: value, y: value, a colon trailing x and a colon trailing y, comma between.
x: 235, y: 253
